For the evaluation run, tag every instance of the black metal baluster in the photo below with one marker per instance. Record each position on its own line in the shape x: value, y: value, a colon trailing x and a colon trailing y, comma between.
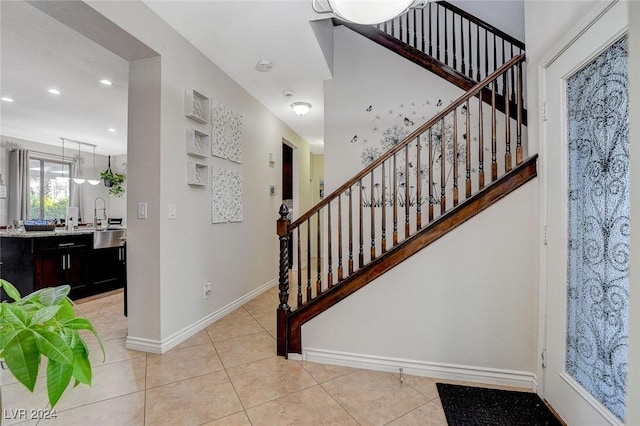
x: 438, y: 31
x: 446, y: 39
x: 478, y: 75
x: 464, y: 68
x: 470, y: 51
x: 453, y: 32
x: 430, y: 46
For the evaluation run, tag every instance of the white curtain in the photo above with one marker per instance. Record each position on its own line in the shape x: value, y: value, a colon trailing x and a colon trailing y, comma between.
x: 19, y: 192
x: 75, y: 192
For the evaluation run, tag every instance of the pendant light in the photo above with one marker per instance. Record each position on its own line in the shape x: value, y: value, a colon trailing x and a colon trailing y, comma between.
x: 93, y: 180
x: 79, y: 180
x: 62, y: 176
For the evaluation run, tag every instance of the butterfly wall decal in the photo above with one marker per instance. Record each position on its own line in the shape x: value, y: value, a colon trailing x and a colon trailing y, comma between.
x: 408, y: 122
x: 354, y: 139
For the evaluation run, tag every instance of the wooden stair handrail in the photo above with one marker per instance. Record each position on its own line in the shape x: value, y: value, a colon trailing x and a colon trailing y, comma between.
x: 420, y: 130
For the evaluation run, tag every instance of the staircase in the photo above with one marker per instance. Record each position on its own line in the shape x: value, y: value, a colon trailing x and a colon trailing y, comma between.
x: 421, y: 188
x: 452, y: 44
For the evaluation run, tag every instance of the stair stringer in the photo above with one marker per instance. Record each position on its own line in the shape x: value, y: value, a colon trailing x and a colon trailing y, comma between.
x: 446, y: 223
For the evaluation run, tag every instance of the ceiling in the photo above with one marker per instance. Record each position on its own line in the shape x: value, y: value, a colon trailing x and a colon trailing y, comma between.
x: 39, y: 53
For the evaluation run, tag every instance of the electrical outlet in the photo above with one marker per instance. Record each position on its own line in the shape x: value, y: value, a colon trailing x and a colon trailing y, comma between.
x: 206, y: 291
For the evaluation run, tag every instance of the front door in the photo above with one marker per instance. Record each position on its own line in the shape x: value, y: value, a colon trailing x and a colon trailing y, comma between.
x: 587, y: 195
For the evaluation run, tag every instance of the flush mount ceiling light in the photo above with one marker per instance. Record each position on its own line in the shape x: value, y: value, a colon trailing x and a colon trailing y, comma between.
x: 54, y: 91
x: 111, y: 129
x: 106, y: 82
x: 301, y: 108
x: 366, y: 12
x: 264, y: 65
x: 6, y: 99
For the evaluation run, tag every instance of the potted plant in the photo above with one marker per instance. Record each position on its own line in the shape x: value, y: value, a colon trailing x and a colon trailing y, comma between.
x: 44, y: 323
x: 112, y: 180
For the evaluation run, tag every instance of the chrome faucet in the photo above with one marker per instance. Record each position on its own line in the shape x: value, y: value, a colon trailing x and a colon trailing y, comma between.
x: 95, y: 211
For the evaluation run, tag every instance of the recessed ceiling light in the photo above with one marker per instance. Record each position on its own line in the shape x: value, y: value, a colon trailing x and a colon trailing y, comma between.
x: 54, y: 91
x: 106, y: 82
x: 111, y: 129
x: 264, y: 65
x: 4, y: 98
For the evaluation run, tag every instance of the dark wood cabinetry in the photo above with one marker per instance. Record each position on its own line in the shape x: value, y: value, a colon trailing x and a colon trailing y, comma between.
x: 63, y: 260
x: 109, y: 267
x: 31, y: 263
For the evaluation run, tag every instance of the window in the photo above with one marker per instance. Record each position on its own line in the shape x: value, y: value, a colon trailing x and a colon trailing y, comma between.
x: 49, y: 192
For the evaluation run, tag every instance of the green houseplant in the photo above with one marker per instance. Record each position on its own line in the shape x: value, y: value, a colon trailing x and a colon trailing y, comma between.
x: 112, y: 180
x: 44, y: 323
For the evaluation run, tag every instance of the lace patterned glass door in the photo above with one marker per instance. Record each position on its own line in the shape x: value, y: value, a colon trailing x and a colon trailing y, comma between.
x: 587, y: 196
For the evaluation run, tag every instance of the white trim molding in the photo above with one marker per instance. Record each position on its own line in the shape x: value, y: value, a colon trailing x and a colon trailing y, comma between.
x: 162, y: 346
x: 436, y: 370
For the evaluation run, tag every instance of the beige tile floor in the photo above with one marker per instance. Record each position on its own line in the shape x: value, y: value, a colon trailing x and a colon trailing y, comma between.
x: 227, y: 374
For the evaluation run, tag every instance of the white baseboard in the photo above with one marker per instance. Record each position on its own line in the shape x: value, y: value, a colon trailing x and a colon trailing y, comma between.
x: 465, y: 373
x: 160, y: 347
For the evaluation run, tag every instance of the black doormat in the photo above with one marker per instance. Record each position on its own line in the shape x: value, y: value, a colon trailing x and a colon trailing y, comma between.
x: 470, y: 406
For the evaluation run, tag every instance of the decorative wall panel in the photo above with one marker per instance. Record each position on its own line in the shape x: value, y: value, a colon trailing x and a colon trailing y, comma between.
x: 598, y: 251
x: 226, y: 196
x: 226, y: 133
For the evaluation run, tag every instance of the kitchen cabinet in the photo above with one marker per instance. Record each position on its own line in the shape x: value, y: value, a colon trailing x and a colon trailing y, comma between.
x: 108, y: 268
x: 31, y: 261
x: 63, y: 260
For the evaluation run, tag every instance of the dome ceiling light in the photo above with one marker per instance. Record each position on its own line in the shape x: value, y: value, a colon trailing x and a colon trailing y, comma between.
x: 301, y: 108
x: 366, y: 12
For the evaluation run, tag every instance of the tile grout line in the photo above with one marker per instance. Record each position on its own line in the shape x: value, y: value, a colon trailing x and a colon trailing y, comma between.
x: 224, y: 368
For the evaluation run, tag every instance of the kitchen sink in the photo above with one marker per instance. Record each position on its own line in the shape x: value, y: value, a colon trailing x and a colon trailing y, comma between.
x: 107, y: 238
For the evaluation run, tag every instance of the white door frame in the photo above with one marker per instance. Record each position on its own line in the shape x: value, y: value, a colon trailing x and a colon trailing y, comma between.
x: 543, y: 67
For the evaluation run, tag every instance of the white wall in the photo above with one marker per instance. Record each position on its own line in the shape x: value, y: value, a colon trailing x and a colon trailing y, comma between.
x: 187, y: 252
x: 506, y: 15
x: 468, y: 300
x: 368, y: 75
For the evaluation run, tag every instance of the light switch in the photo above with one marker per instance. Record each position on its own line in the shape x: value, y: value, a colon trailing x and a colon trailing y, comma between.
x: 142, y: 210
x: 171, y: 211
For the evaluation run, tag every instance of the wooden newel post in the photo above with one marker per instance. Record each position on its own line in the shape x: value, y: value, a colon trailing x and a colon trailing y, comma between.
x: 283, y: 283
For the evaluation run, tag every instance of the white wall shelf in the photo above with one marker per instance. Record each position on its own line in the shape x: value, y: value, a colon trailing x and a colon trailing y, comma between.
x: 198, y: 143
x: 197, y: 174
x: 197, y: 106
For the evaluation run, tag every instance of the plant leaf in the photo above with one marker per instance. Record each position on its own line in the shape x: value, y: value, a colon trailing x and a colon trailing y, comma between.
x: 85, y: 324
x: 45, y: 314
x: 54, y: 295
x: 11, y: 291
x: 66, y: 311
x: 81, y: 364
x: 58, y: 378
x: 23, y: 359
x: 78, y: 324
x: 6, y: 336
x: 15, y: 315
x: 31, y: 296
x: 53, y: 347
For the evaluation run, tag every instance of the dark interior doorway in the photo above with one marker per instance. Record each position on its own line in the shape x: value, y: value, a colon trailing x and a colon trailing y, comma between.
x: 287, y: 186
